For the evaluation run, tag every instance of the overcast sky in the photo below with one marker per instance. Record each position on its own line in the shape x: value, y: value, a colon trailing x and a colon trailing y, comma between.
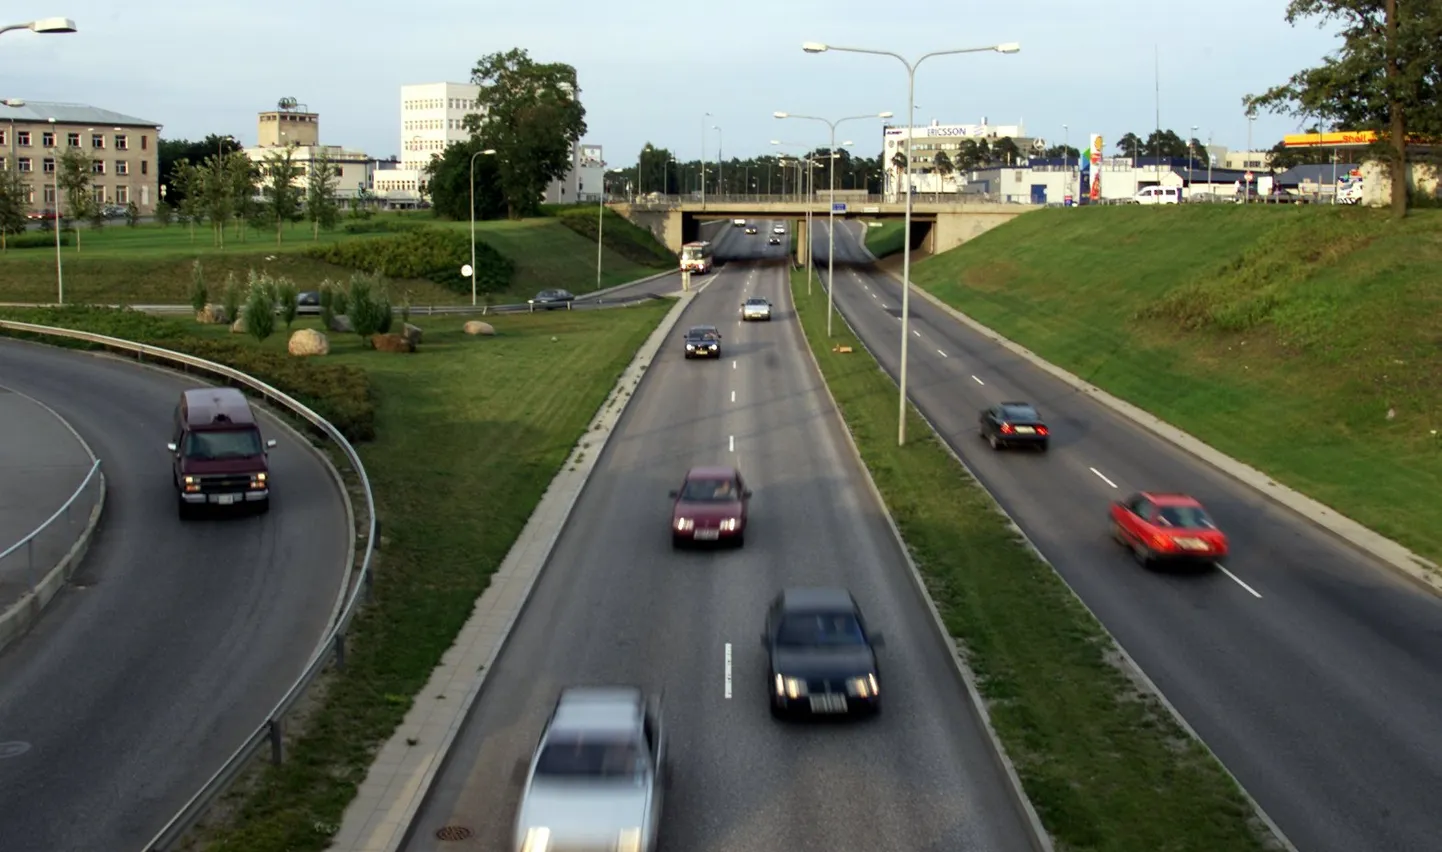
x: 650, y: 70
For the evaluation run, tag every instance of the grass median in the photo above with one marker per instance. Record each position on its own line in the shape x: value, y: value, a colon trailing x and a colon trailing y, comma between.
x: 1105, y: 765
x: 469, y: 433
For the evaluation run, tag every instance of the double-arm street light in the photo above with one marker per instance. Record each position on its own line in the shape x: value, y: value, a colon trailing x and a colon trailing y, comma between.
x: 831, y: 217
x: 488, y: 152
x: 818, y: 47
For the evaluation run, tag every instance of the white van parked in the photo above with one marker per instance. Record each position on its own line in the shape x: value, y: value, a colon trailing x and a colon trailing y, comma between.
x: 1159, y: 195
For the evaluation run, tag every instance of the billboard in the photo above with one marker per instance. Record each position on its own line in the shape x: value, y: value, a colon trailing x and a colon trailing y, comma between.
x: 933, y: 131
x: 1094, y: 158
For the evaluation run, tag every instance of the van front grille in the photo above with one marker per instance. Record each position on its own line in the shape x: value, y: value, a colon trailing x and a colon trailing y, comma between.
x: 226, y: 483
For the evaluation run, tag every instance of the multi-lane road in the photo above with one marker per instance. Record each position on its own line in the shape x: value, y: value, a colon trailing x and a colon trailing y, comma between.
x: 174, y: 639
x: 1312, y: 671
x: 616, y: 604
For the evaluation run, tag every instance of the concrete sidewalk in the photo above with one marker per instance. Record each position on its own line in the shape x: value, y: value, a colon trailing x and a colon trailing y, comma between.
x: 42, y: 463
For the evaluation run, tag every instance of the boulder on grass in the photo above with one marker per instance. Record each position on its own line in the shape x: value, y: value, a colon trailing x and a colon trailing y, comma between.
x: 308, y: 341
x: 412, y: 333
x: 340, y: 324
x: 478, y: 327
x: 212, y: 315
x: 392, y: 343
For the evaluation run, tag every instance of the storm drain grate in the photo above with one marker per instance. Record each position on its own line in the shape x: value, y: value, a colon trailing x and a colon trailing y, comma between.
x: 452, y: 833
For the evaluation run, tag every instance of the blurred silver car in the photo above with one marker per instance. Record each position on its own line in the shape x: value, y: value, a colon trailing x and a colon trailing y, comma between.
x: 596, y: 781
x: 755, y: 308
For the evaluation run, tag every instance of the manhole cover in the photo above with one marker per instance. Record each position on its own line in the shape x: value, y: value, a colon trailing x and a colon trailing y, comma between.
x: 13, y: 749
x: 453, y: 833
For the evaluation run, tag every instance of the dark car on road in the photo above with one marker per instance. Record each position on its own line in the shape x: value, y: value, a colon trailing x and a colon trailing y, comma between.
x: 822, y: 659
x: 773, y: 240
x: 750, y: 229
x: 1014, y: 424
x: 703, y: 341
x: 552, y: 299
x: 710, y: 505
x: 218, y: 456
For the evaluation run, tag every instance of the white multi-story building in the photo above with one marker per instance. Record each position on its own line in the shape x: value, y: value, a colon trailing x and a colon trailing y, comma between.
x: 930, y: 139
x: 288, y: 127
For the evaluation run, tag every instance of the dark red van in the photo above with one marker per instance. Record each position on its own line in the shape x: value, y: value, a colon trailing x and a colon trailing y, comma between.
x: 220, y: 458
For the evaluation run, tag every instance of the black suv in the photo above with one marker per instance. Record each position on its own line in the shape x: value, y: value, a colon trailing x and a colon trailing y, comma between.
x: 1014, y: 424
x: 703, y: 341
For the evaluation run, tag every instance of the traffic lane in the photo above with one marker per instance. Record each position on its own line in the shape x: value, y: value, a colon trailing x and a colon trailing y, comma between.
x: 616, y: 604
x: 1303, y: 647
x: 174, y: 640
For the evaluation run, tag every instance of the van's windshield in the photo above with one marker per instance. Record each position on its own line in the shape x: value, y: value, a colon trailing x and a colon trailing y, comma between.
x: 229, y: 444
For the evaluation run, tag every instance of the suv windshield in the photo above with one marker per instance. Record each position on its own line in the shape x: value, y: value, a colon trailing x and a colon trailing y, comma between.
x: 577, y: 756
x: 213, y: 446
x: 1184, y: 517
x: 709, y: 491
x: 803, y: 630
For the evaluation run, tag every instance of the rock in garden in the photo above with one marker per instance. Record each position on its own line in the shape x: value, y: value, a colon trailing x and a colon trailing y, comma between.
x: 392, y: 343
x: 412, y: 333
x: 238, y: 327
x: 341, y: 324
x: 212, y: 315
x: 478, y: 327
x: 308, y: 341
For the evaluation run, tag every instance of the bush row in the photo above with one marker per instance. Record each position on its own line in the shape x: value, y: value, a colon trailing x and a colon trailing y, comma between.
x: 634, y: 243
x: 39, y: 239
x: 341, y: 394
x: 433, y: 253
x: 382, y: 226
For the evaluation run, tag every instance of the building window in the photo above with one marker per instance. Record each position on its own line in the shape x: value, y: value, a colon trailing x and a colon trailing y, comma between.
x: 22, y: 138
x: 97, y: 140
x: 4, y: 164
x: 49, y: 194
x: 72, y: 139
x: 144, y: 166
x: 122, y: 195
x: 24, y: 164
x: 30, y: 196
x: 122, y: 167
x: 47, y: 165
x: 98, y: 193
x: 144, y: 142
x: 47, y: 139
x: 2, y: 138
x: 121, y: 142
x: 97, y: 167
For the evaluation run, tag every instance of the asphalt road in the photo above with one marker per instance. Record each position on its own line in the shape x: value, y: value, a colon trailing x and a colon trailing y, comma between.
x: 616, y: 604
x: 173, y: 641
x: 1314, y: 673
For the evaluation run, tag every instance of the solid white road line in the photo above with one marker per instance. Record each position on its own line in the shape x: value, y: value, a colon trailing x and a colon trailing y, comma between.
x: 733, y: 365
x: 728, y: 670
x: 1239, y: 582
x: 1103, y: 477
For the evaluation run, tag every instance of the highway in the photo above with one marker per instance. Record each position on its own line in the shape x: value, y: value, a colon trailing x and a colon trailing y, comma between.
x: 174, y: 640
x: 616, y: 604
x: 1312, y: 671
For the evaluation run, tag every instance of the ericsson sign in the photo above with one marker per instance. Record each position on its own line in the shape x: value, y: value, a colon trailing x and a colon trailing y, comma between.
x: 935, y: 131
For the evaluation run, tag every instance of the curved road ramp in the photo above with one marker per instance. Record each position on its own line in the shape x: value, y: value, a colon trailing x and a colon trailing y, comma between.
x: 51, y: 495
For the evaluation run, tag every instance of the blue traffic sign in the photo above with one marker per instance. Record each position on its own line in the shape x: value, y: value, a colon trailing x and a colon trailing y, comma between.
x: 838, y: 207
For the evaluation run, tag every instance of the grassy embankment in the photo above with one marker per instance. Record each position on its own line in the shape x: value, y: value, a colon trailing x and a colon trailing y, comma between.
x: 151, y: 264
x: 1106, y: 766
x: 1306, y: 342
x: 457, y: 466
x: 887, y: 239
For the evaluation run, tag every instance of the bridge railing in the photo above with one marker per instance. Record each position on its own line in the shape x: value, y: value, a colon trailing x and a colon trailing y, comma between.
x: 854, y: 202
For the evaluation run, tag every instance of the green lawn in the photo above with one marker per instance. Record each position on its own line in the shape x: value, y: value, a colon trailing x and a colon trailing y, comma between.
x: 457, y: 465
x: 1303, y: 341
x: 887, y: 239
x: 150, y: 264
x: 1105, y: 765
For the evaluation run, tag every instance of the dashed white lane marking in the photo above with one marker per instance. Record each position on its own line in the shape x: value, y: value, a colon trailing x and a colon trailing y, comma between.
x: 733, y: 365
x: 915, y: 332
x: 728, y: 669
x: 1238, y: 581
x: 978, y: 381
x: 731, y: 443
x: 943, y: 354
x: 733, y: 396
x: 874, y: 296
x: 1103, y: 477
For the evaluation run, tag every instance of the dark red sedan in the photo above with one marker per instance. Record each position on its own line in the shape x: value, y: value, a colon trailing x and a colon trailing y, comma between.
x: 710, y: 506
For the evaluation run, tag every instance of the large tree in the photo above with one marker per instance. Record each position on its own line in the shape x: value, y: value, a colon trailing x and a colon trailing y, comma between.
x: 171, y: 152
x: 282, y: 190
x: 75, y: 168
x: 532, y: 116
x: 321, y: 205
x: 449, y: 179
x: 1385, y: 78
x: 13, y: 206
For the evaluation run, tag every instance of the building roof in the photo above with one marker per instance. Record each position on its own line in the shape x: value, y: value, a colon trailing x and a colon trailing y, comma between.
x: 40, y: 111
x: 1316, y: 173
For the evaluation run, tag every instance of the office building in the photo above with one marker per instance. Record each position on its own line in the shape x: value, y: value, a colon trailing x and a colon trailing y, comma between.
x: 300, y: 130
x: 122, y: 149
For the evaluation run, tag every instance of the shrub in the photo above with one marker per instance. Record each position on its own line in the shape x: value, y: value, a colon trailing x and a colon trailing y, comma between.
x: 382, y: 226
x: 259, y: 311
x: 231, y: 298
x: 41, y: 239
x: 286, y: 294
x: 422, y: 252
x: 339, y: 299
x: 199, y: 295
x: 370, y: 306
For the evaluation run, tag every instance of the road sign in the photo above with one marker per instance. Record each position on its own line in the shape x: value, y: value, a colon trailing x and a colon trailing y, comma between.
x: 838, y: 207
x: 871, y: 209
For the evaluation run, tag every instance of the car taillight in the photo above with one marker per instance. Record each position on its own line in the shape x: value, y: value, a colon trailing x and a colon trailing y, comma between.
x: 1006, y: 429
x: 1162, y: 542
x: 1041, y: 430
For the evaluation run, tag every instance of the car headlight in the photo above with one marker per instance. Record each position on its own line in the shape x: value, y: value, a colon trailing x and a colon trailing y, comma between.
x: 684, y: 524
x: 537, y: 840
x: 730, y: 524
x: 629, y: 841
x: 791, y: 687
x: 863, y: 687
x: 192, y: 483
x: 690, y: 346
x: 257, y: 480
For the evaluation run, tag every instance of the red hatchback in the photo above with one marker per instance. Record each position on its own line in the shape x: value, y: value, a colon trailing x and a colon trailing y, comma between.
x: 1167, y: 528
x: 710, y: 506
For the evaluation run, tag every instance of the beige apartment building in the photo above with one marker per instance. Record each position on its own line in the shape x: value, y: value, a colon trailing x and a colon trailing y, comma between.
x: 123, y: 150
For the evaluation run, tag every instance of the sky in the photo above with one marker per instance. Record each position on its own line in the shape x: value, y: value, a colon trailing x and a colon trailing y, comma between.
x: 650, y: 71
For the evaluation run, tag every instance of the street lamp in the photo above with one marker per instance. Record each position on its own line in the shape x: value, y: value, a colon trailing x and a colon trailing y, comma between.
x: 488, y: 152
x: 720, y: 163
x: 818, y: 47
x: 703, y: 159
x: 1066, y: 159
x: 1192, y: 158
x: 44, y: 26
x: 803, y: 179
x: 601, y: 220
x: 59, y: 226
x: 831, y: 216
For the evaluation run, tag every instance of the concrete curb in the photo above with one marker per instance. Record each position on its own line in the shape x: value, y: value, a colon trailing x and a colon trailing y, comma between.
x: 1412, y: 566
x: 1132, y: 668
x: 404, y: 771
x: 20, y: 616
x: 1039, y: 838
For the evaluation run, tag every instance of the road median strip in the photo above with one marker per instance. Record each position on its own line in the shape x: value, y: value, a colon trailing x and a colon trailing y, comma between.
x: 1101, y: 758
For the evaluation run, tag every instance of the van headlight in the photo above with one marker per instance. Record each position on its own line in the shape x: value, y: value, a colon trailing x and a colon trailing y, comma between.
x: 192, y: 483
x: 537, y: 840
x: 257, y: 480
x: 629, y: 841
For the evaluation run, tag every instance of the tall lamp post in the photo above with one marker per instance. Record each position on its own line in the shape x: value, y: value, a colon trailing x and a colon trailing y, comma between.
x: 804, y: 166
x: 720, y: 163
x: 703, y: 159
x: 1192, y: 159
x: 831, y: 216
x: 818, y: 47
x: 488, y: 152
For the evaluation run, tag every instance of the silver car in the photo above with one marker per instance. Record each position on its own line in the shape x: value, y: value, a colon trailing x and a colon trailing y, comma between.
x: 596, y: 780
x: 755, y: 308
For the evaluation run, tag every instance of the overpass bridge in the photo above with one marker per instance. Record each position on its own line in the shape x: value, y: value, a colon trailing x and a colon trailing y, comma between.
x: 939, y: 222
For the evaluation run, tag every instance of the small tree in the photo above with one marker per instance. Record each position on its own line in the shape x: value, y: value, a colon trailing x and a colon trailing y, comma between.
x: 132, y: 214
x: 285, y: 294
x: 406, y: 306
x: 369, y: 307
x: 75, y: 167
x: 164, y: 214
x: 232, y: 298
x: 340, y: 300
x: 321, y: 206
x: 259, y: 311
x: 282, y: 195
x: 327, y: 303
x: 199, y: 294
x: 12, y: 205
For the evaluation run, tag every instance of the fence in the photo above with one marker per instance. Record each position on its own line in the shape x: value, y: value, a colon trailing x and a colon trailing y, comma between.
x: 272, y: 730
x: 24, y: 564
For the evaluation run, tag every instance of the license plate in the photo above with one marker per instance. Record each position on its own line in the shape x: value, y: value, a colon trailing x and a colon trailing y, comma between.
x: 1025, y: 430
x: 1192, y: 544
x: 707, y: 535
x: 828, y: 703
x: 227, y: 499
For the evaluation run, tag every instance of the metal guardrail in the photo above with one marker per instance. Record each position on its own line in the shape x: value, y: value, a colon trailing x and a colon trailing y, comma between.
x: 25, y: 547
x: 584, y: 302
x: 272, y: 730
x: 821, y: 199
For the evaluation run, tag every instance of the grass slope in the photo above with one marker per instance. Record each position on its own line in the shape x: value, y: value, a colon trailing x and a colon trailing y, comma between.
x: 1105, y: 765
x: 886, y: 240
x: 1306, y: 342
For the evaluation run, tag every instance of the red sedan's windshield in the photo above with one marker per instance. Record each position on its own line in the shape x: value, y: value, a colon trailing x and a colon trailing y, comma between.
x: 709, y: 491
x: 1183, y: 517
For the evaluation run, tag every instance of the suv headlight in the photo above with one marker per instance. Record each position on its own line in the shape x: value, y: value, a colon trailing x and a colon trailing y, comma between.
x: 791, y: 687
x: 629, y: 841
x: 537, y: 840
x: 863, y: 687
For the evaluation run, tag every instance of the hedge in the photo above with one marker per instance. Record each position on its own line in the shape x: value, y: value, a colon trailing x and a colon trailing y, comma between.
x: 39, y: 239
x: 424, y: 252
